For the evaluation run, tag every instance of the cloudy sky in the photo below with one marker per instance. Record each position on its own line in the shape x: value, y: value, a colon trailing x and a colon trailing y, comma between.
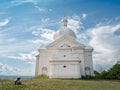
x: 26, y: 25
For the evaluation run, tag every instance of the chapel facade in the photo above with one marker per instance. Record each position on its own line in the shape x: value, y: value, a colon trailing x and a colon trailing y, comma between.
x: 64, y: 57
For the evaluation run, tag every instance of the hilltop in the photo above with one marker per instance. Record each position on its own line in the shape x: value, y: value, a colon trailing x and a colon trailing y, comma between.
x: 58, y: 84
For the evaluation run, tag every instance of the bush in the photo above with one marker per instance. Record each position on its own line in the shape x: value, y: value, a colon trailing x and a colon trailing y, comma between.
x: 112, y: 73
x: 87, y: 77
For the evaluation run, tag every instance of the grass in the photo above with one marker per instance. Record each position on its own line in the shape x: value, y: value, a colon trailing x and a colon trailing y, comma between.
x: 57, y: 84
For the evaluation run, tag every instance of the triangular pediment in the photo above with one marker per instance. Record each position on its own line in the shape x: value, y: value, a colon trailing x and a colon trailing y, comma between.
x: 65, y: 42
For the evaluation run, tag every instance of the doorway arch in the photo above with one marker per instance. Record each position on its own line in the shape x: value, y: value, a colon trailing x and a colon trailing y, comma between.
x: 44, y: 70
x: 87, y: 71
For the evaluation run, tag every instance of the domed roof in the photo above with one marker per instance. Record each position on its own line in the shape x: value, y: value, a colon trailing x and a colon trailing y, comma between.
x: 64, y: 31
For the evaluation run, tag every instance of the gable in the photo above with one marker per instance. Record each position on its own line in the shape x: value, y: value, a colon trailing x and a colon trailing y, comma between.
x: 65, y: 42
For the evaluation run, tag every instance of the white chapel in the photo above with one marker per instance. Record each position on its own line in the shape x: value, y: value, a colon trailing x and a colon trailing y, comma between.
x: 64, y: 57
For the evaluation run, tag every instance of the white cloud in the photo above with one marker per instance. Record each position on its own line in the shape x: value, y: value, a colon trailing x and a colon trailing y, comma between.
x: 106, y: 44
x: 45, y: 20
x: 40, y: 42
x: 44, y: 33
x: 84, y: 16
x: 19, y: 2
x: 37, y: 41
x: 17, y: 47
x: 31, y: 62
x: 39, y: 8
x: 7, y: 68
x: 4, y: 23
x: 75, y: 23
x: 11, y: 70
x: 48, y: 34
x: 34, y: 2
x: 24, y: 57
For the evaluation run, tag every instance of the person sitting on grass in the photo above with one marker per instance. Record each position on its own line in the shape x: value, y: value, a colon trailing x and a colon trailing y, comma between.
x: 18, y: 81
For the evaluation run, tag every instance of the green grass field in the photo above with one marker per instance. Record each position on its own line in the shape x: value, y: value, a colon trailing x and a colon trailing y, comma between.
x: 57, y: 84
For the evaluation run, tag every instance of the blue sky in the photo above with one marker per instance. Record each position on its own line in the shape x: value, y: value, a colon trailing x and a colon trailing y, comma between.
x: 26, y: 25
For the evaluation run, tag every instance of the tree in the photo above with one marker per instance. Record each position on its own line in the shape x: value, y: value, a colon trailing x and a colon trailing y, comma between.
x: 97, y: 74
x: 103, y: 74
x: 114, y: 72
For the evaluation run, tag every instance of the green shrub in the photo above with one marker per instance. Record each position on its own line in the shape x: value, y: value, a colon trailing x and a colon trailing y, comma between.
x: 87, y: 77
x: 112, y: 74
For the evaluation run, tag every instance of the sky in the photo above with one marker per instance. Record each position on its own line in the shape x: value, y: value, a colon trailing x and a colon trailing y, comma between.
x: 27, y: 25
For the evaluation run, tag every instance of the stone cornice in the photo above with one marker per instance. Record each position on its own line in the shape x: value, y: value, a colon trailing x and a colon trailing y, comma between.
x: 64, y: 61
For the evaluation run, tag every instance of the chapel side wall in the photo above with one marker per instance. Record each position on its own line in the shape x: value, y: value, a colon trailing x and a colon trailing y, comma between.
x: 43, y: 61
x: 82, y: 63
x: 89, y: 61
x: 37, y: 66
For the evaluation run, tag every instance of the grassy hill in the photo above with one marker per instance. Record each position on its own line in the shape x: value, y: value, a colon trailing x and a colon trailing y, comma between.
x: 57, y: 84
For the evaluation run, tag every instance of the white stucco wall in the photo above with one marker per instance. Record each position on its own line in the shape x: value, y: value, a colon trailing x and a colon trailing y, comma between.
x: 37, y: 65
x: 65, y: 70
x: 64, y: 53
x: 88, y: 60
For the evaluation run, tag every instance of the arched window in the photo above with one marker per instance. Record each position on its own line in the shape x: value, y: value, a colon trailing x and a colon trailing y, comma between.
x: 44, y: 70
x: 87, y: 71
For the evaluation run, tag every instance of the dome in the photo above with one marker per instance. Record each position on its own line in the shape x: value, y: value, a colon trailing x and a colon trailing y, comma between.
x: 64, y: 31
